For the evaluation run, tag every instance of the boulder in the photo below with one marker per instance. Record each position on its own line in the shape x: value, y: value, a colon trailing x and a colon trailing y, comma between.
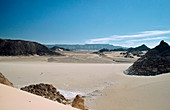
x: 5, y: 81
x: 78, y: 102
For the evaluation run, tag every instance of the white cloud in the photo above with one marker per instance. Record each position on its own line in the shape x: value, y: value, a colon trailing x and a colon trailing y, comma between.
x: 147, y: 39
x: 131, y: 38
x: 146, y: 34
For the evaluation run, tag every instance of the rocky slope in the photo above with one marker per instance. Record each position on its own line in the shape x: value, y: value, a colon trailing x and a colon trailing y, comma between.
x: 50, y: 92
x: 20, y: 47
x: 5, y: 81
x: 156, y: 61
x: 46, y: 90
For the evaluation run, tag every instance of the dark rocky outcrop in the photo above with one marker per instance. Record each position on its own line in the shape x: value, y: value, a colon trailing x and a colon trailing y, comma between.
x: 137, y: 51
x: 99, y: 53
x: 119, y: 49
x: 139, y: 48
x: 5, y: 81
x: 56, y: 48
x: 107, y: 50
x: 48, y: 91
x: 104, y: 50
x: 156, y: 61
x: 78, y: 102
x: 131, y: 54
x: 20, y: 47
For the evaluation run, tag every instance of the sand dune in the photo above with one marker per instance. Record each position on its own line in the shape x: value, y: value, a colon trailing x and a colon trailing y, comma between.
x: 14, y: 99
x: 136, y: 93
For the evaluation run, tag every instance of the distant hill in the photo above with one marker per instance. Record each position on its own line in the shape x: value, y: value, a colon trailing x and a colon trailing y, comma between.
x: 86, y: 46
x: 139, y: 48
x: 20, y: 47
x: 155, y: 61
x: 129, y: 52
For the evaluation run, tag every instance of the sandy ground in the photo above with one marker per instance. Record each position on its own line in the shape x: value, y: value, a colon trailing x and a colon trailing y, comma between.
x: 73, y: 57
x: 14, y: 99
x: 104, y: 86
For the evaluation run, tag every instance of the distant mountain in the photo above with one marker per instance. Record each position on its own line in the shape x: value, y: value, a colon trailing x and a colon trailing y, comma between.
x: 139, y: 48
x: 86, y: 46
x: 19, y: 47
x: 155, y: 61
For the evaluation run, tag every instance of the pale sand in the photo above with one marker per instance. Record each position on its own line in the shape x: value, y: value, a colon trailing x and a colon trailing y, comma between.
x: 14, y: 99
x: 73, y: 57
x: 104, y: 85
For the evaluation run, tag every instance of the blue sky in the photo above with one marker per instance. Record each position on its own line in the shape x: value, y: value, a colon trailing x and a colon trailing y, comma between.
x: 118, y: 22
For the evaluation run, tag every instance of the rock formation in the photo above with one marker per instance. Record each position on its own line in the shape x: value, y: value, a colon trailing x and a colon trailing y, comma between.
x: 78, y: 102
x: 56, y: 48
x: 48, y: 91
x: 5, y: 81
x: 139, y: 48
x: 156, y: 61
x: 131, y: 54
x: 20, y: 47
x: 137, y: 51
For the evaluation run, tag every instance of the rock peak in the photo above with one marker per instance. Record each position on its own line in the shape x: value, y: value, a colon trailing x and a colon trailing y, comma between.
x: 163, y: 43
x: 143, y: 45
x: 162, y: 46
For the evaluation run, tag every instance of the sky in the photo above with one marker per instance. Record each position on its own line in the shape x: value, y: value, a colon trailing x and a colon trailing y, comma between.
x: 127, y: 23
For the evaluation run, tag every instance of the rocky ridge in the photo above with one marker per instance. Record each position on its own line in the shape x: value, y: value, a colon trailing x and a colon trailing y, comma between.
x: 50, y: 92
x: 47, y: 91
x: 156, y: 61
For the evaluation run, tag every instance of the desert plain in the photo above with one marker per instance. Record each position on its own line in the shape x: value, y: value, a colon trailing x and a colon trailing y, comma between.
x: 99, y: 79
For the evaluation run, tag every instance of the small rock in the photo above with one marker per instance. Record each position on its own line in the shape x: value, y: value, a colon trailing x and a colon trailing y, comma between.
x: 78, y: 102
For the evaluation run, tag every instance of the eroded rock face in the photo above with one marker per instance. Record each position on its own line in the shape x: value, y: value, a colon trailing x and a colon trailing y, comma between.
x: 156, y: 61
x: 48, y: 91
x: 5, y: 81
x: 78, y: 102
x: 19, y: 47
